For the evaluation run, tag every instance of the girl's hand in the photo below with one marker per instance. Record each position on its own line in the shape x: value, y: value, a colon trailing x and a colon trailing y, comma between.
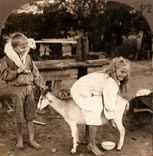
x: 108, y: 109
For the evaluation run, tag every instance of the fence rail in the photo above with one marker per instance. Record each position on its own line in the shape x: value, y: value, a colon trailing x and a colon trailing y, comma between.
x: 62, y: 41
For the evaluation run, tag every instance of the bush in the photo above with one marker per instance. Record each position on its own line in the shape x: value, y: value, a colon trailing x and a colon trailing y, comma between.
x: 127, y: 50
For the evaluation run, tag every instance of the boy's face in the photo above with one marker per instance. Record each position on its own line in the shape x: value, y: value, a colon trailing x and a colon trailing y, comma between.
x: 22, y: 47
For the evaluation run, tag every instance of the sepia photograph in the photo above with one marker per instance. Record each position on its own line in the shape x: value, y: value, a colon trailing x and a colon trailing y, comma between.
x: 76, y: 77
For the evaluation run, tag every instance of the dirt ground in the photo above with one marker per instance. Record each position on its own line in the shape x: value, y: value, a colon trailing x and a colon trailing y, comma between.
x: 56, y: 133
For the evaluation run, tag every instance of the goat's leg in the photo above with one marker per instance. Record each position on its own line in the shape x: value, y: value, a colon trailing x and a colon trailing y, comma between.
x: 74, y: 132
x: 121, y: 130
x: 77, y: 134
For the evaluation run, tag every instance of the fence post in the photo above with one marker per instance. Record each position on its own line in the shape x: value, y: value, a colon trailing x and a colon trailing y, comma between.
x: 85, y: 49
x: 79, y: 49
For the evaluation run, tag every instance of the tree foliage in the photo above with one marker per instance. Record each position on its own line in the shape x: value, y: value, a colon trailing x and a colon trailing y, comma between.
x: 104, y: 23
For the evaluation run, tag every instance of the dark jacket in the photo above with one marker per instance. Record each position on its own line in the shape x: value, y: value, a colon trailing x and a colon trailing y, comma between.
x: 9, y: 73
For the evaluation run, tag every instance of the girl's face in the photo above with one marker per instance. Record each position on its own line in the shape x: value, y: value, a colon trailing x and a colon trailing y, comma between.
x: 121, y: 73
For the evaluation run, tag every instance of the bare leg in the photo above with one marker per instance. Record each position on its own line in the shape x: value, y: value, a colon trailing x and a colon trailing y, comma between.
x: 92, y: 143
x: 19, y: 144
x: 122, y: 134
x: 30, y: 128
x: 86, y: 136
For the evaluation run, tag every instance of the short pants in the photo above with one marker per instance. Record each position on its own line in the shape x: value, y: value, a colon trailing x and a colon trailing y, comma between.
x: 24, y: 102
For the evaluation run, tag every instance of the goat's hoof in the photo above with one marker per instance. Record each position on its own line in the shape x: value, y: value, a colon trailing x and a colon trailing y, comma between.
x: 118, y: 148
x: 73, y: 151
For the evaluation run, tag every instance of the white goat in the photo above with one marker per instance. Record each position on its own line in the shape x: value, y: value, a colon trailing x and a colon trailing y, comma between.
x: 73, y: 115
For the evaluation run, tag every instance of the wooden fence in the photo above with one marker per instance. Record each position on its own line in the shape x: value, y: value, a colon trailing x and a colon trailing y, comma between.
x: 68, y: 69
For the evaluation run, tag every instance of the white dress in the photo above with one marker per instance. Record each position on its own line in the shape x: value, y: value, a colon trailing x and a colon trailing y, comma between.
x: 88, y: 91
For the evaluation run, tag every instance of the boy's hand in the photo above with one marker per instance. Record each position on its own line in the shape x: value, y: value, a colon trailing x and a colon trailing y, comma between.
x: 44, y: 89
x: 21, y: 69
x: 27, y: 71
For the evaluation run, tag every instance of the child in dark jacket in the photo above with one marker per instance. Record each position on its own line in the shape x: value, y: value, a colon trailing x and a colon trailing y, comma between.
x: 21, y: 79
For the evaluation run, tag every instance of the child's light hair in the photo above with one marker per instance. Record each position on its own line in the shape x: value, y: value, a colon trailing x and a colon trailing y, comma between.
x: 17, y: 38
x: 119, y: 62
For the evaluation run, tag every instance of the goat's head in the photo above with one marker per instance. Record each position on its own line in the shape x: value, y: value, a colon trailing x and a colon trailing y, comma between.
x: 43, y: 102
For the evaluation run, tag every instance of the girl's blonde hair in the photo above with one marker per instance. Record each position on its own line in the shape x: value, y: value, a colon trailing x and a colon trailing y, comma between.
x: 119, y: 62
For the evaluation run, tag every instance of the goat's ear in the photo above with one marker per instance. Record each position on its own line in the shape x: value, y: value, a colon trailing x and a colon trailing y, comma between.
x: 44, y: 103
x: 39, y: 102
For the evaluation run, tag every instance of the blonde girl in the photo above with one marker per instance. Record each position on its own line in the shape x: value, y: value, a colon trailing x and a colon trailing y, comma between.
x: 95, y: 90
